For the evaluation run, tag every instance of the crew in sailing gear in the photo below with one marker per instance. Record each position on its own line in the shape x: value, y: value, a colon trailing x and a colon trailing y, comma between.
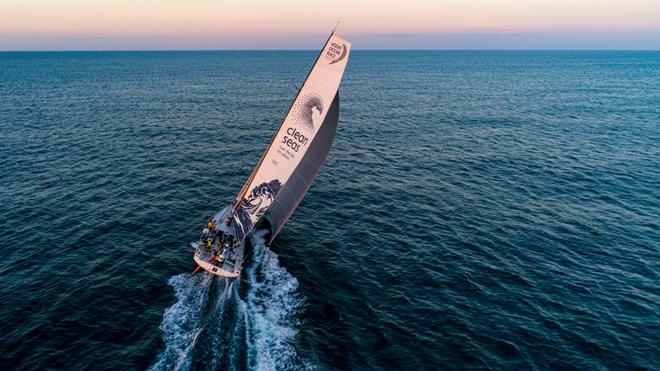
x: 216, y: 233
x: 214, y: 259
x: 210, y: 225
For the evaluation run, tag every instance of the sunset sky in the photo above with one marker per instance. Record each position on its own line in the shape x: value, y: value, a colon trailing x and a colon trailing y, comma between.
x: 295, y: 24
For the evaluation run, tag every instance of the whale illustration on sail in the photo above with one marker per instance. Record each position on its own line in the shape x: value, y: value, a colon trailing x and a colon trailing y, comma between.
x: 286, y: 169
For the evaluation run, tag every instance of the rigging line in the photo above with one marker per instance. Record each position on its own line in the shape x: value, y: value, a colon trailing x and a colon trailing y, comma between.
x: 309, y: 67
x: 295, y: 86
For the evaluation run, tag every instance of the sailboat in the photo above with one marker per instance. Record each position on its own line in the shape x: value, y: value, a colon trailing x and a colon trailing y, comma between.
x: 284, y: 172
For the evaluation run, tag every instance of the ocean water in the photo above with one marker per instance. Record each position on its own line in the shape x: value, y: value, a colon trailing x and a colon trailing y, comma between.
x: 477, y: 210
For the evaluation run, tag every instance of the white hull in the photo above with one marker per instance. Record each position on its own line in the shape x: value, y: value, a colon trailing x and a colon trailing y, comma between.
x: 217, y: 270
x: 229, y: 266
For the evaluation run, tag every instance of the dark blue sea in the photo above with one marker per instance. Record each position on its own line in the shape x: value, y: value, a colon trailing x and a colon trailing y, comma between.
x: 477, y: 210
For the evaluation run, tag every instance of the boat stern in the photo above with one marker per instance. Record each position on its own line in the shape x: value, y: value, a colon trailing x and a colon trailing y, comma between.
x: 219, y: 270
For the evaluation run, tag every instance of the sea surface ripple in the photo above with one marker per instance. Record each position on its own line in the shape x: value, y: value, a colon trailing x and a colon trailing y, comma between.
x: 477, y: 209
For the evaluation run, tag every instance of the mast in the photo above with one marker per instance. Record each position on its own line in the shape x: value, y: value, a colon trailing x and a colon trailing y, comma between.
x: 294, y: 138
x: 244, y: 189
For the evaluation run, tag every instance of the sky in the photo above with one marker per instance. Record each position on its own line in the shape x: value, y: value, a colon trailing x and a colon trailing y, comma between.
x: 298, y: 24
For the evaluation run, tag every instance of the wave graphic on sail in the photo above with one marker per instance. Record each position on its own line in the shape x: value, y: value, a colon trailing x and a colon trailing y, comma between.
x: 294, y: 144
x: 217, y: 324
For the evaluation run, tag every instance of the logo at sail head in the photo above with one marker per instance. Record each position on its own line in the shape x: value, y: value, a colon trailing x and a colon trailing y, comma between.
x: 308, y: 110
x: 336, y: 52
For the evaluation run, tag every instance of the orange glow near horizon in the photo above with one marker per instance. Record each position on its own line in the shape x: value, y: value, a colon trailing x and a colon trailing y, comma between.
x: 199, y: 17
x: 218, y: 24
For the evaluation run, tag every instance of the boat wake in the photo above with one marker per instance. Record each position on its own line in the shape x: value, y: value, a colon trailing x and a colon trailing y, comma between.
x: 247, y: 323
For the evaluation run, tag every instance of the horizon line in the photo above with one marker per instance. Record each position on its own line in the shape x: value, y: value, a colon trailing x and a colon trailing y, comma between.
x: 648, y: 39
x: 316, y: 50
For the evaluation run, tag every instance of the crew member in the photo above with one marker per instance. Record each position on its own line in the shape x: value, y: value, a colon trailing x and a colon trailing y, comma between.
x: 214, y: 258
x: 217, y: 235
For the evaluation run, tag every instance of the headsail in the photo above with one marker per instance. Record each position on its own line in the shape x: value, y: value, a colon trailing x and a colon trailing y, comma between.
x: 312, y: 114
x: 303, y: 176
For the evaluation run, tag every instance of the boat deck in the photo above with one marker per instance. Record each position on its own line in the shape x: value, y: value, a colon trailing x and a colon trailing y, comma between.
x: 230, y: 260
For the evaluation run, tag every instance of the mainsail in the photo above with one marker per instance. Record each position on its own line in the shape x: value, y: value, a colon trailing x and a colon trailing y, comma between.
x: 293, y: 159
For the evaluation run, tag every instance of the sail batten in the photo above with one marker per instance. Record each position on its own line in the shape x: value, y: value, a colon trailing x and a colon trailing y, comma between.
x: 305, y: 126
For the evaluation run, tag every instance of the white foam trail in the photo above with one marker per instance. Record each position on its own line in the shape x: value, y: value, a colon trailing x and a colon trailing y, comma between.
x: 182, y: 321
x: 263, y: 325
x: 238, y: 334
x: 272, y: 308
x: 225, y: 292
